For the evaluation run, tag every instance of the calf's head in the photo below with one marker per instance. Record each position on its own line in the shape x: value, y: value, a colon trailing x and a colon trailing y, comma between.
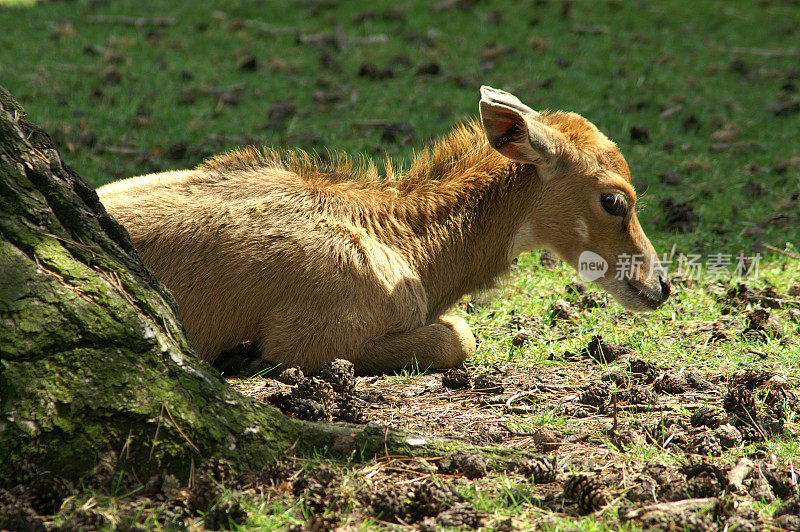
x: 585, y: 208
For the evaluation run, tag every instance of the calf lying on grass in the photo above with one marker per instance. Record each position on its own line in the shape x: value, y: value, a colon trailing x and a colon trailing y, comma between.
x: 314, y: 261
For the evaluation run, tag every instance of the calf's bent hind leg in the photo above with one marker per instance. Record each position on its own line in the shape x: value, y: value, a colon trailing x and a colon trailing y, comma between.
x: 444, y: 344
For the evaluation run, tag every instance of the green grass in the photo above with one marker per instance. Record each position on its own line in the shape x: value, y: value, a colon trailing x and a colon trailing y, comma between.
x: 118, y: 96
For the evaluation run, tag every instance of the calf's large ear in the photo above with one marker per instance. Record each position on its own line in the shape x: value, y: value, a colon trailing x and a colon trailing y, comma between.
x: 517, y: 131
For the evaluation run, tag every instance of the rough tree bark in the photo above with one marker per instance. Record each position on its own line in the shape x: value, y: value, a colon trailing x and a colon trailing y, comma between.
x: 94, y: 362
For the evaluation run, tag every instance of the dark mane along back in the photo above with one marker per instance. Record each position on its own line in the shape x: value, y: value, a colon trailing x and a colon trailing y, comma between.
x: 463, y: 151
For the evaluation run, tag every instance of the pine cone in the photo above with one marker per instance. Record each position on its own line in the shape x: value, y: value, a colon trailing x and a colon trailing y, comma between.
x: 586, y: 491
x: 704, y: 485
x: 707, y: 416
x: 46, y: 494
x: 340, y: 374
x: 219, y: 470
x: 322, y: 523
x: 16, y: 514
x: 728, y: 436
x: 739, y: 402
x: 461, y: 515
x: 488, y: 383
x: 207, y: 486
x: 24, y: 474
x: 223, y: 515
x: 706, y: 444
x: 348, y: 410
x: 274, y: 472
x: 595, y: 395
x: 456, y: 378
x: 314, y: 389
x: 387, y: 505
x: 750, y: 378
x: 291, y: 376
x: 541, y: 470
x: 604, y: 351
x: 640, y: 395
x: 84, y: 520
x: 309, y: 409
x: 671, y: 382
x: 643, y: 370
x: 429, y: 499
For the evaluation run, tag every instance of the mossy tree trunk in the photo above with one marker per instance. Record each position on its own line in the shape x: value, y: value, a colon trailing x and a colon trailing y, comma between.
x: 94, y: 362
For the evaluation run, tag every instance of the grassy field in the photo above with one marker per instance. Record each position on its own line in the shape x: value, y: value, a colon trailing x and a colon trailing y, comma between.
x: 703, y: 99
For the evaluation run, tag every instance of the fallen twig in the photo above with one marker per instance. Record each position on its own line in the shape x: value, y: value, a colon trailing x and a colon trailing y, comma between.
x: 670, y: 508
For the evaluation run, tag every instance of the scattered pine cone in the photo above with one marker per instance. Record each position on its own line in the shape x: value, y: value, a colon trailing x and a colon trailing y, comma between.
x: 750, y: 378
x: 561, y: 309
x: 697, y: 381
x: 317, y: 487
x: 521, y: 337
x: 739, y: 402
x: 707, y: 416
x: 23, y: 474
x: 429, y: 499
x: 461, y: 515
x: 209, y: 480
x: 161, y: 486
x: 84, y: 520
x: 671, y: 382
x: 488, y: 383
x: 604, y: 351
x: 309, y: 410
x: 780, y: 395
x: 315, y: 389
x: 471, y: 466
x: 595, y: 395
x: 322, y: 523
x: 348, y: 410
x: 541, y: 470
x: 728, y: 436
x: 586, y: 491
x: 202, y: 496
x: 456, y: 378
x: 274, y: 472
x: 618, y: 377
x: 387, y: 505
x: 224, y: 516
x: 16, y: 514
x: 291, y: 376
x: 706, y: 444
x: 340, y: 374
x: 640, y: 395
x: 703, y: 485
x: 219, y: 470
x: 46, y: 494
x: 643, y: 370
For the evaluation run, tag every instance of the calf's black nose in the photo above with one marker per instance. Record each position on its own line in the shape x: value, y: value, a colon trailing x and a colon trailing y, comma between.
x: 665, y: 287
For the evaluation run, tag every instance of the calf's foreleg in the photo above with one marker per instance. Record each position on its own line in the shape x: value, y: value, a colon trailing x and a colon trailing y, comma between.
x: 444, y: 344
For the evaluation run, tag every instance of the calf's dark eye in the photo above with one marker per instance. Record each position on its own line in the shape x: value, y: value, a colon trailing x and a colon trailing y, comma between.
x: 614, y: 204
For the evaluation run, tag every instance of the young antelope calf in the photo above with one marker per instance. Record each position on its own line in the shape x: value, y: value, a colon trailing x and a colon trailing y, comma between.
x: 314, y: 261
